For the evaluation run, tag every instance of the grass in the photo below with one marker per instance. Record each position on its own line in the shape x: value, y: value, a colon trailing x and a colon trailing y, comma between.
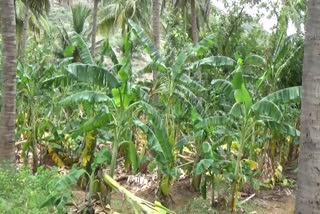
x: 121, y: 206
x: 23, y: 193
x: 198, y: 206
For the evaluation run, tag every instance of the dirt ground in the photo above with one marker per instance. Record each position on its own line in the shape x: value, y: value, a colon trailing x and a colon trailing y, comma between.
x: 273, y: 203
x: 276, y: 201
x: 184, y: 200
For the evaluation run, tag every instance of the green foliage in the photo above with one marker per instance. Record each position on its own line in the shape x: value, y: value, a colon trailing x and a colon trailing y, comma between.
x: 199, y: 206
x: 80, y: 13
x: 21, y: 192
x: 216, y: 125
x: 93, y: 75
x: 84, y: 52
x: 86, y: 96
x: 213, y: 61
x: 63, y: 194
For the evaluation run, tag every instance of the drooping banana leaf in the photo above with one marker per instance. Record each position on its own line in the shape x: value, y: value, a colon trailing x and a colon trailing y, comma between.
x: 205, y: 44
x: 83, y: 49
x: 283, y: 46
x: 236, y: 110
x: 222, y: 86
x: 285, y: 95
x: 93, y: 74
x: 255, y: 60
x: 145, y: 40
x: 108, y: 51
x: 189, y: 97
x: 213, y: 61
x: 180, y: 61
x: 94, y: 123
x: 265, y: 109
x: 191, y: 84
x: 203, y: 166
x: 86, y: 96
x: 282, y: 128
x: 212, y: 121
x: 155, y: 146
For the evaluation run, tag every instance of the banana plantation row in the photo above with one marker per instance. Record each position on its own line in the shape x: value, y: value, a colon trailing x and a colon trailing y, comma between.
x: 214, y: 98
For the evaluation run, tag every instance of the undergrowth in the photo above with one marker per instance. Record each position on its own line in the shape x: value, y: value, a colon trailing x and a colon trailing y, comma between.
x: 21, y: 192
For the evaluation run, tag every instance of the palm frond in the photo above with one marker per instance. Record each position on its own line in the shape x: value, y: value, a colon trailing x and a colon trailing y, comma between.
x: 80, y: 13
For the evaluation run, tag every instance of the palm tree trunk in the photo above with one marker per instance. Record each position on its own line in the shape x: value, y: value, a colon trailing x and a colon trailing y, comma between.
x: 194, y: 23
x: 24, y: 38
x: 308, y: 194
x: 194, y: 27
x: 8, y: 110
x: 156, y: 28
x: 94, y: 28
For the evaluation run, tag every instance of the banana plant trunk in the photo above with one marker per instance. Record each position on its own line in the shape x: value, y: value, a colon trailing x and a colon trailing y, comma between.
x: 237, y: 172
x: 196, y: 179
x: 94, y: 28
x: 213, y: 204
x: 8, y: 109
x: 24, y: 37
x: 308, y: 193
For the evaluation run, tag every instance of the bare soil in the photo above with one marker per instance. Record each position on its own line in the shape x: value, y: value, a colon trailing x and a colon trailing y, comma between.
x: 276, y: 201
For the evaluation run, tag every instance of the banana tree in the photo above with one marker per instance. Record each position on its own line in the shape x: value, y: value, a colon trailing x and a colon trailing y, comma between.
x: 212, y: 165
x: 204, y: 128
x: 162, y: 146
x: 112, y: 110
x: 174, y: 83
x: 37, y: 107
x: 286, y: 51
x: 266, y: 112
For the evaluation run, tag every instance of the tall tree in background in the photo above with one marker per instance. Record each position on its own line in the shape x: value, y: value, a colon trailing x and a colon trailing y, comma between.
x: 8, y: 109
x: 94, y: 28
x: 24, y: 36
x: 308, y: 194
x: 156, y: 28
x: 115, y: 14
x: 196, y: 180
x: 31, y: 7
x: 194, y: 23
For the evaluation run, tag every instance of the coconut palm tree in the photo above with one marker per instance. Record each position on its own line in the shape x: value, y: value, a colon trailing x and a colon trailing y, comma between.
x: 80, y: 13
x: 116, y: 13
x: 8, y: 110
x: 194, y: 24
x: 308, y: 198
x: 29, y: 11
x: 156, y: 28
x: 94, y: 27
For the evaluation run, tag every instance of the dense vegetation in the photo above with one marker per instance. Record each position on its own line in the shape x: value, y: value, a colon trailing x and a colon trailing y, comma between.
x: 201, y: 89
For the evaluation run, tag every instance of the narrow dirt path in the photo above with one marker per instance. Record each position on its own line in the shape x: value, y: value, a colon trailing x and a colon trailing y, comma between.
x: 281, y: 201
x: 285, y: 205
